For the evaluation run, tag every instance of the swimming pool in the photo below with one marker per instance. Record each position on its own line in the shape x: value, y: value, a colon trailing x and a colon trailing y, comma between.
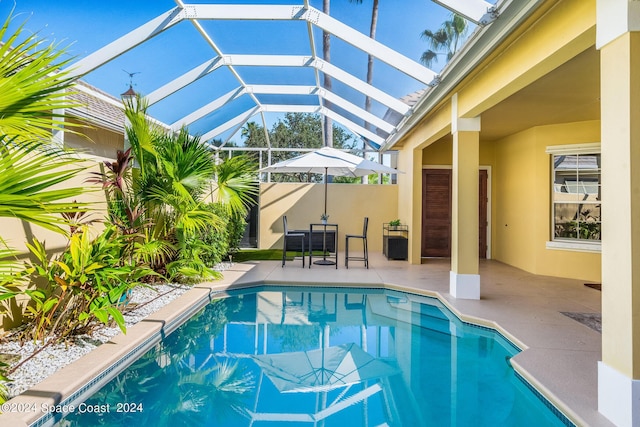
x: 321, y: 356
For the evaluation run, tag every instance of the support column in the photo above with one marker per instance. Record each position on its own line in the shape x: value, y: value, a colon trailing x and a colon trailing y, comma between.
x: 410, y: 195
x: 464, y: 278
x: 618, y: 38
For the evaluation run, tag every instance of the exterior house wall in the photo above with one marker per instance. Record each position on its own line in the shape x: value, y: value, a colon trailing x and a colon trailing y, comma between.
x: 520, y: 198
x: 522, y: 202
x: 520, y: 175
x: 95, y: 141
x: 347, y: 205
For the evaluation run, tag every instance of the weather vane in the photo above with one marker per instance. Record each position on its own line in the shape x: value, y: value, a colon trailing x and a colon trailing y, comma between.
x: 130, y: 92
x: 131, y: 77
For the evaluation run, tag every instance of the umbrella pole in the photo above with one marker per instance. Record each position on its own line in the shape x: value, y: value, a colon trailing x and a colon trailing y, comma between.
x: 325, y: 190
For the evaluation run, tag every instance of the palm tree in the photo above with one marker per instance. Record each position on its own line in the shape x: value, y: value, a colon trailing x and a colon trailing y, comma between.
x: 372, y: 34
x: 326, y: 55
x: 174, y: 178
x: 31, y: 87
x: 446, y: 40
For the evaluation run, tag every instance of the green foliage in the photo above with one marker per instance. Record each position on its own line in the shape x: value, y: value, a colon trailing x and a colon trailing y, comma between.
x: 32, y: 91
x: 236, y: 227
x: 85, y: 284
x: 394, y: 223
x: 189, y: 266
x: 10, y: 267
x: 236, y: 184
x: 160, y: 205
x: 154, y: 253
x: 4, y: 392
x: 446, y: 40
x: 296, y: 130
x: 29, y: 174
x: 31, y: 86
x: 220, y: 241
x: 215, y: 239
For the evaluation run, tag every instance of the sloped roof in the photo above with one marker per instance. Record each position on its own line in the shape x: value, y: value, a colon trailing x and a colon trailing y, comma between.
x: 98, y: 107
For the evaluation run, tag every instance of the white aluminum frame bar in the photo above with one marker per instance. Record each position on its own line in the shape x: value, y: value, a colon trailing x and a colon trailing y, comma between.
x: 209, y: 108
x: 185, y: 80
x: 322, y: 21
x: 353, y: 127
x: 479, y: 12
x: 360, y: 112
x: 238, y: 120
x: 283, y: 89
x: 127, y: 42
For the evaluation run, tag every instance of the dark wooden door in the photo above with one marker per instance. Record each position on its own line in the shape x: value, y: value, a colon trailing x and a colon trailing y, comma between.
x: 483, y: 222
x: 436, y: 213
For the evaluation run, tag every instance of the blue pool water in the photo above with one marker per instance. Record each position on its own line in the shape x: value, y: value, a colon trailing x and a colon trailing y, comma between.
x: 321, y: 357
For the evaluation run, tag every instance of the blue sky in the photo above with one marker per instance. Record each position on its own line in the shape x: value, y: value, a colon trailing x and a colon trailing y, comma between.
x: 86, y: 25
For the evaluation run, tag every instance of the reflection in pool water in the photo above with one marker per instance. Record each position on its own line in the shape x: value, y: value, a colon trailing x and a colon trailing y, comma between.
x: 310, y: 356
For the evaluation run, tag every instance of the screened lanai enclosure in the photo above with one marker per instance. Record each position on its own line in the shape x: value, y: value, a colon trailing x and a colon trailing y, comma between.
x: 248, y: 64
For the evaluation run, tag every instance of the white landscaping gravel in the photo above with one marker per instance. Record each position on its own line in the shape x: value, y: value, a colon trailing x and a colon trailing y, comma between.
x: 50, y: 358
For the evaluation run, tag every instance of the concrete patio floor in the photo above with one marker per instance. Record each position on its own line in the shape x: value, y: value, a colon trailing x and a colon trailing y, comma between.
x: 560, y: 356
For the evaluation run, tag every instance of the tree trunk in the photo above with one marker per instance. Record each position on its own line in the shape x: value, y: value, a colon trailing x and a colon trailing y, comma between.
x: 372, y: 34
x: 326, y: 54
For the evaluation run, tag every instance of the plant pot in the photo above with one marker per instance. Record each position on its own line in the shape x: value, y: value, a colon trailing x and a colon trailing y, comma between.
x: 324, y: 221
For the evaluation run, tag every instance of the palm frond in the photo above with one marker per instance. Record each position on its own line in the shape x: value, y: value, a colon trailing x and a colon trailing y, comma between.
x: 10, y: 267
x: 32, y: 89
x: 29, y: 174
x: 236, y: 184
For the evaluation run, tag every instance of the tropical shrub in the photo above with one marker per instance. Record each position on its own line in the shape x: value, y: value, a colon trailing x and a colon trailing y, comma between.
x: 215, y: 240
x: 160, y: 202
x: 236, y: 228
x: 83, y: 286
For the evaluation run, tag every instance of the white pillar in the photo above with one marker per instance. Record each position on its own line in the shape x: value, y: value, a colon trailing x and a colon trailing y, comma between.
x: 618, y: 38
x: 464, y: 278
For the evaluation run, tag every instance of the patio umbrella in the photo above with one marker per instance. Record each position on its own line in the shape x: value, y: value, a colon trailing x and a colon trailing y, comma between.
x: 329, y: 161
x: 323, y: 369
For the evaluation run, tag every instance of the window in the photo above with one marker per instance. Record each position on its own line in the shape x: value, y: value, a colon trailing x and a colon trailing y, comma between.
x: 576, y: 193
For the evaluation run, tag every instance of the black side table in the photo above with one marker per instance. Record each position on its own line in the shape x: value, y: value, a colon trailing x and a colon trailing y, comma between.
x: 395, y: 241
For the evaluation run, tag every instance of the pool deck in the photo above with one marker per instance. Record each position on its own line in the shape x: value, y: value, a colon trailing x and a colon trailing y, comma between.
x: 560, y: 356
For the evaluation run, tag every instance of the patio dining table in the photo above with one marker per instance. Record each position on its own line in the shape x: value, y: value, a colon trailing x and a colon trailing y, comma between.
x: 326, y: 255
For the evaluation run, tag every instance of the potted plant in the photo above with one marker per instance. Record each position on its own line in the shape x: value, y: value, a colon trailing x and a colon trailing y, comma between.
x: 394, y: 224
x: 324, y: 217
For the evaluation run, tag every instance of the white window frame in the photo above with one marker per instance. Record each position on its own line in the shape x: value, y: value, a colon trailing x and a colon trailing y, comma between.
x: 578, y: 245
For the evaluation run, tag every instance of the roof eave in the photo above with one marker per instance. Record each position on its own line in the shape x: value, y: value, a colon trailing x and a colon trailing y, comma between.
x: 480, y: 44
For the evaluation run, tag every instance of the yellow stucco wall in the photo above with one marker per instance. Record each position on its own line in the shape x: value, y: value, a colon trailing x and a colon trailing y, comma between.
x: 439, y: 153
x: 347, y: 205
x: 521, y: 202
x: 520, y: 198
x: 95, y: 141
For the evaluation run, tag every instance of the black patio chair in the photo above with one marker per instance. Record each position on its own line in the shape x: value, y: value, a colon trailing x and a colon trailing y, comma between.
x: 289, y: 235
x: 362, y: 236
